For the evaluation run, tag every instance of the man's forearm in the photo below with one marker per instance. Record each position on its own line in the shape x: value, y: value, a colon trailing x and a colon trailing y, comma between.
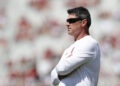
x: 64, y: 76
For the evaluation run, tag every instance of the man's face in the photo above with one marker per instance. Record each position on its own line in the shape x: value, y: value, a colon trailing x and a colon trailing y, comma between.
x: 73, y: 26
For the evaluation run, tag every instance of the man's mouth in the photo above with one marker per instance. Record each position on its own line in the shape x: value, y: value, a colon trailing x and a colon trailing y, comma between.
x: 69, y: 29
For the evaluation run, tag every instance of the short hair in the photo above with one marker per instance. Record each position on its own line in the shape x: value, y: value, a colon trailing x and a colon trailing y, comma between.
x: 82, y: 13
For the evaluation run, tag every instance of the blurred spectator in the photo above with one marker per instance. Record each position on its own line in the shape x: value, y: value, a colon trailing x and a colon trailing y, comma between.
x: 106, y: 23
x: 39, y: 4
x: 116, y: 11
x: 2, y: 18
x: 3, y: 42
x: 86, y: 3
x: 105, y: 46
x: 52, y: 28
x: 23, y: 70
x: 24, y: 30
x: 4, y: 45
x: 105, y: 15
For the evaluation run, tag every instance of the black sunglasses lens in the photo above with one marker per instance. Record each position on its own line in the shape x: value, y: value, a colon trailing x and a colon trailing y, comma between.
x: 73, y: 20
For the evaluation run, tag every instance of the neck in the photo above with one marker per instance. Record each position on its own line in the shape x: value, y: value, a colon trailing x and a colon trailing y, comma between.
x: 81, y: 35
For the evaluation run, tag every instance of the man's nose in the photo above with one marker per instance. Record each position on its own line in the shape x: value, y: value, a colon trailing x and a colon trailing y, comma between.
x: 67, y: 24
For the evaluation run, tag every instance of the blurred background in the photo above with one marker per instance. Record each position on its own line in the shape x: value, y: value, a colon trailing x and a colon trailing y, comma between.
x: 33, y: 37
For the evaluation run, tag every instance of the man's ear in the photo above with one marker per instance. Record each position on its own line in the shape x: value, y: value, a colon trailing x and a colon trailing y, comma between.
x: 84, y: 22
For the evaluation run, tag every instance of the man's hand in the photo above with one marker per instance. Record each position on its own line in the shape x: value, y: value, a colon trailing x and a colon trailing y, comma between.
x: 62, y: 76
x: 54, y: 78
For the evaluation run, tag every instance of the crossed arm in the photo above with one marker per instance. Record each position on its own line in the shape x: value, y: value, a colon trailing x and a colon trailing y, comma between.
x: 67, y: 65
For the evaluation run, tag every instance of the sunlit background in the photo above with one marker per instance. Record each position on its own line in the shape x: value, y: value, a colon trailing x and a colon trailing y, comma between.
x: 33, y: 37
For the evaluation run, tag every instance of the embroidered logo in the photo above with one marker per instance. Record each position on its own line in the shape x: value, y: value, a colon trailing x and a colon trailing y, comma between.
x: 71, y: 52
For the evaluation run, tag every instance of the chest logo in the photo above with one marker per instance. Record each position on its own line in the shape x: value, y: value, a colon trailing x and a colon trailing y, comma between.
x: 71, y: 52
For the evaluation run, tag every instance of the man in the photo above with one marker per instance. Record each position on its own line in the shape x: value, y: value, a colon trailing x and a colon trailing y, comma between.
x: 80, y: 63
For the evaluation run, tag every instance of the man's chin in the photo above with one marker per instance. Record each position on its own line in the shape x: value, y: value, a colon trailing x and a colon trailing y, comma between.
x: 69, y: 33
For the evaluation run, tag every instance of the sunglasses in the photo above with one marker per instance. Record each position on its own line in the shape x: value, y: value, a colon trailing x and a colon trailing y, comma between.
x: 73, y: 20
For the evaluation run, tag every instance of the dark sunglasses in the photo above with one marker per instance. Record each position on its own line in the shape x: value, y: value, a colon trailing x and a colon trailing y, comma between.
x: 73, y: 20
